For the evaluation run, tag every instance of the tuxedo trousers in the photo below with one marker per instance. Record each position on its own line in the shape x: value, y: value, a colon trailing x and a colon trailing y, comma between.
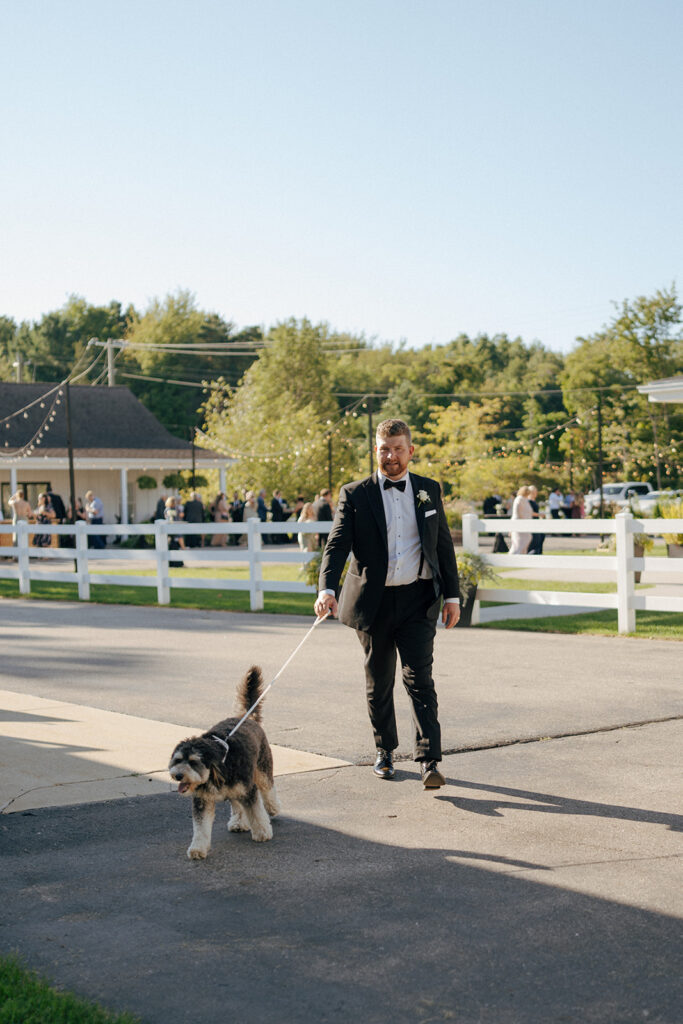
x: 405, y: 626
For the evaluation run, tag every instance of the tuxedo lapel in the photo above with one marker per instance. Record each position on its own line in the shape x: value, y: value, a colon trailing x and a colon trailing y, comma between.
x: 419, y: 508
x: 377, y: 506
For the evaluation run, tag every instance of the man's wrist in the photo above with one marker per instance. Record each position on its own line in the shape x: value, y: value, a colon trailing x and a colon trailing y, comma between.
x: 452, y: 600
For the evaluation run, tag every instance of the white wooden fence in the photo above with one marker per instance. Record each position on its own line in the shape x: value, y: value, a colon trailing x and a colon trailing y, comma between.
x: 623, y: 563
x: 21, y: 564
x: 25, y: 570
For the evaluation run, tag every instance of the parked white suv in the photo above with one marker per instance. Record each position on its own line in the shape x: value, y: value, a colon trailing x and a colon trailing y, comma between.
x: 619, y: 493
x: 645, y: 504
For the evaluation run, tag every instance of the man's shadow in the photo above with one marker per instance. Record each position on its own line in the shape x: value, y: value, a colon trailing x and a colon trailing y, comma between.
x: 546, y: 803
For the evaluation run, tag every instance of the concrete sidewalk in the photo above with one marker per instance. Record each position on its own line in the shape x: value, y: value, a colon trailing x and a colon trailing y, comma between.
x: 541, y: 884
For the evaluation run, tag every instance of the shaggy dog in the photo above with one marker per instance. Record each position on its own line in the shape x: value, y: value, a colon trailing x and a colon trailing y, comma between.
x: 212, y: 768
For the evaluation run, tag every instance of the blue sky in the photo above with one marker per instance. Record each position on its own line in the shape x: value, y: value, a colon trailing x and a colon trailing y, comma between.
x: 411, y: 170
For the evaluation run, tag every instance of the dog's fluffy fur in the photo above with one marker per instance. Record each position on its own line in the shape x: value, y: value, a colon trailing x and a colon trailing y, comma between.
x: 243, y: 774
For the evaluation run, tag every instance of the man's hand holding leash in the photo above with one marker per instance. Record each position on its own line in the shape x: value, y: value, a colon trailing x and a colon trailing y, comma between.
x: 324, y: 604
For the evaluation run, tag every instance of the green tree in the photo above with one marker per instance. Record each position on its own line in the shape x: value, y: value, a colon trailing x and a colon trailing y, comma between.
x: 278, y: 421
x: 182, y: 365
x: 55, y: 344
x: 8, y: 333
x: 639, y: 438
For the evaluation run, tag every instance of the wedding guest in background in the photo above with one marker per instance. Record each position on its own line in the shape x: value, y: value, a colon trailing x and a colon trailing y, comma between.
x: 307, y: 541
x: 94, y: 510
x: 521, y: 509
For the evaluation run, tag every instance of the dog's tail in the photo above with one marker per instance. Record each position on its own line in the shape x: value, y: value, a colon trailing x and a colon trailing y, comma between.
x: 248, y: 692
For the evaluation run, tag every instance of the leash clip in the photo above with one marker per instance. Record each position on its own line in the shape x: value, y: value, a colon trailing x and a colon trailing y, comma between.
x: 223, y: 744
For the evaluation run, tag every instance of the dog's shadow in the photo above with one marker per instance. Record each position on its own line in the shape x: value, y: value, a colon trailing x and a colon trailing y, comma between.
x: 322, y: 923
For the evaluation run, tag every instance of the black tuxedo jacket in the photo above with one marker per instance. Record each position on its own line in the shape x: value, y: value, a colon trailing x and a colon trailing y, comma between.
x: 360, y: 528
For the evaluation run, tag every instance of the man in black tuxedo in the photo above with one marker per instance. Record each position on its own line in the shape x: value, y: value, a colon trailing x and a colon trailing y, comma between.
x: 402, y: 566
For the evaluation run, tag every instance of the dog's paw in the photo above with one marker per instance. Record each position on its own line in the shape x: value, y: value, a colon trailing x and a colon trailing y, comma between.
x: 237, y: 824
x: 198, y: 852
x: 261, y: 835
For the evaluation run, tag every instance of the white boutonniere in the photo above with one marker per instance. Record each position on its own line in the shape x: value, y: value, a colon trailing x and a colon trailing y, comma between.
x: 422, y: 498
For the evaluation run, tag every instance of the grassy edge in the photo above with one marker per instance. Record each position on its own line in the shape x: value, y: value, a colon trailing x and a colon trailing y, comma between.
x: 649, y: 625
x: 27, y: 998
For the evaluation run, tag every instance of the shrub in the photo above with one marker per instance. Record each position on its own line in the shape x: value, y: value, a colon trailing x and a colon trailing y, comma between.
x: 146, y: 483
x: 672, y: 510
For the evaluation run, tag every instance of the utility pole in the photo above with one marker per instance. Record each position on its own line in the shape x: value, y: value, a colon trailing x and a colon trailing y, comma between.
x: 18, y: 364
x: 602, y: 510
x: 70, y: 450
x: 110, y: 363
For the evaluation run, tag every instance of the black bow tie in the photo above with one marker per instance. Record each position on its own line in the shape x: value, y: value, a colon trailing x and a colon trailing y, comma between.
x: 401, y: 484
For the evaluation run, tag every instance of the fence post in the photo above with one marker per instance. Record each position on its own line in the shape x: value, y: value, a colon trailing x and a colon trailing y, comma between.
x: 161, y: 547
x: 470, y: 532
x: 23, y: 565
x: 470, y: 542
x: 255, y: 572
x: 626, y: 615
x: 82, y: 560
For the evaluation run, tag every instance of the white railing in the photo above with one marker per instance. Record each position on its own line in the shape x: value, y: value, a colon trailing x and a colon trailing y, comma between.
x: 623, y: 563
x: 24, y: 569
x: 20, y: 560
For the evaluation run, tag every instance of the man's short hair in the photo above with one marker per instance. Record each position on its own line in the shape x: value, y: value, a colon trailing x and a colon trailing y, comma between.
x: 393, y: 428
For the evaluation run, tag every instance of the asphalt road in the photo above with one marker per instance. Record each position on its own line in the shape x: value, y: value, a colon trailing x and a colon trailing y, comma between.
x: 542, y: 884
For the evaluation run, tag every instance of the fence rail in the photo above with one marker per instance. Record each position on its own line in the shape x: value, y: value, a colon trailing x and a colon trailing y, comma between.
x: 79, y: 553
x: 25, y: 567
x: 623, y: 564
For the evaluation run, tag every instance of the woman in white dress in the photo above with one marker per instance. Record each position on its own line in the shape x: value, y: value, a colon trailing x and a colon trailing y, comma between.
x: 521, y: 509
x: 307, y: 541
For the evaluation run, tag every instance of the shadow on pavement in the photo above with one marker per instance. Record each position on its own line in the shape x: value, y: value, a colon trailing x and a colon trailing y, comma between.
x: 317, y: 926
x: 547, y: 804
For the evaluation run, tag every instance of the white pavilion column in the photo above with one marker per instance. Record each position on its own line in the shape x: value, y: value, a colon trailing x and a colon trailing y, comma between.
x: 221, y: 479
x: 13, y: 480
x: 124, y: 496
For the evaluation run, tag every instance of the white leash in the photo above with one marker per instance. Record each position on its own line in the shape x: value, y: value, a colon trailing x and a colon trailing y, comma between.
x: 271, y: 683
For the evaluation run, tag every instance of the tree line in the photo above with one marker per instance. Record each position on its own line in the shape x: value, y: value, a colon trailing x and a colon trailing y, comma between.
x: 295, y: 405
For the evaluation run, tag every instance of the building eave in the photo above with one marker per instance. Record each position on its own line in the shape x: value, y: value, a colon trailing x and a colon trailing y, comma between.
x: 668, y: 390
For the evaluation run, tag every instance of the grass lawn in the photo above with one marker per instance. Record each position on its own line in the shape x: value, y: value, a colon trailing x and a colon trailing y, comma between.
x: 27, y: 999
x: 205, y: 600
x: 648, y: 624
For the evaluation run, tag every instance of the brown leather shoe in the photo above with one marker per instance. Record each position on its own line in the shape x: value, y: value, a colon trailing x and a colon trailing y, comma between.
x: 384, y: 765
x: 431, y: 776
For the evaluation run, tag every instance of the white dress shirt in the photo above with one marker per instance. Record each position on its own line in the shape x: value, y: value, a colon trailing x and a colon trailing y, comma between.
x: 403, y: 538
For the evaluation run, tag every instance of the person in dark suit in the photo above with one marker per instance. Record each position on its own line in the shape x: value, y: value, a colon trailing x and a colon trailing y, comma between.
x: 194, y: 513
x: 323, y: 513
x: 402, y: 566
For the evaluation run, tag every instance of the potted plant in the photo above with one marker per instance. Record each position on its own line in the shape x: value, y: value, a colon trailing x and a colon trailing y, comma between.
x: 473, y: 569
x: 310, y: 571
x: 674, y: 541
x: 642, y: 542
